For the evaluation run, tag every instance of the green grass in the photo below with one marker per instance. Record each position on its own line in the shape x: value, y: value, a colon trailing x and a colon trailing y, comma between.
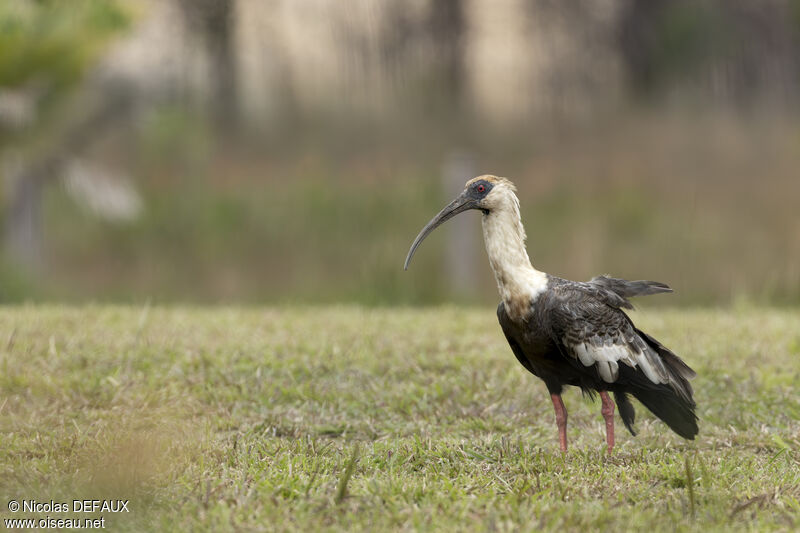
x: 390, y: 419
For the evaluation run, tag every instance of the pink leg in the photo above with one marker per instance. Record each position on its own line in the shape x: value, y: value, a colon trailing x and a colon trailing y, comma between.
x: 561, y: 420
x: 608, y: 414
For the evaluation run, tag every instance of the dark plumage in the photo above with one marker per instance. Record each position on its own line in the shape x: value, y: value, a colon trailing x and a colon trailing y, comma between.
x: 574, y: 323
x: 574, y: 333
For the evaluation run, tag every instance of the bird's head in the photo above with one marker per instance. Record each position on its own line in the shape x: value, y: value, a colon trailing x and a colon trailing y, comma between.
x: 485, y: 193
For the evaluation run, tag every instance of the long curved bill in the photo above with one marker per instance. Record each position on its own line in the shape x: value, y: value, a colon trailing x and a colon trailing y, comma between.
x: 459, y: 205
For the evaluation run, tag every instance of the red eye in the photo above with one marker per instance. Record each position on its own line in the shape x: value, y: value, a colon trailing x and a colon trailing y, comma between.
x: 481, y: 188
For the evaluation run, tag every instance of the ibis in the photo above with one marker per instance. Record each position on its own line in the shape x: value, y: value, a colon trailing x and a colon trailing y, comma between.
x: 574, y: 333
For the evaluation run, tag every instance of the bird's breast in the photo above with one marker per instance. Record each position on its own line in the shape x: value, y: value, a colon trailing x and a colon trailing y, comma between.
x: 518, y: 306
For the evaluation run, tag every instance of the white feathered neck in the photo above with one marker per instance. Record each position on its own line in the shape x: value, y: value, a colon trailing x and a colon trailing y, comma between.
x: 518, y: 282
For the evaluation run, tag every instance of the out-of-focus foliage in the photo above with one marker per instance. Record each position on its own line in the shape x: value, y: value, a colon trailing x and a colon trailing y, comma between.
x: 52, y: 42
x: 731, y: 49
x: 46, y: 47
x: 291, y: 154
x: 309, y: 223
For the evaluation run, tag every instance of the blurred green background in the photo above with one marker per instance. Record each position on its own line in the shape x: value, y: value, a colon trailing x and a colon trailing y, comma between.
x: 269, y: 152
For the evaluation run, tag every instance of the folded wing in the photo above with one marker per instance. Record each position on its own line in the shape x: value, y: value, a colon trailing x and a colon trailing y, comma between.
x: 588, y: 322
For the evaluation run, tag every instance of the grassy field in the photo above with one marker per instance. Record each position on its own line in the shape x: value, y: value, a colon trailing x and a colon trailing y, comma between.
x: 391, y: 419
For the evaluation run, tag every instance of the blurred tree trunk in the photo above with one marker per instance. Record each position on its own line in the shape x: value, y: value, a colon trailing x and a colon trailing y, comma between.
x: 637, y: 39
x: 213, y: 21
x: 93, y: 111
x: 447, y: 27
x: 23, y: 225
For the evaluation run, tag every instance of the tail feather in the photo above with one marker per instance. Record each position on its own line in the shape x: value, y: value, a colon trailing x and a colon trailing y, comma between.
x: 672, y: 402
x: 675, y: 410
x: 626, y: 411
x: 680, y: 373
x: 673, y: 361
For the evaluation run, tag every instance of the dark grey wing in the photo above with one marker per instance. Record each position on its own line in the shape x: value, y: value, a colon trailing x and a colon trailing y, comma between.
x: 590, y: 328
x: 594, y: 334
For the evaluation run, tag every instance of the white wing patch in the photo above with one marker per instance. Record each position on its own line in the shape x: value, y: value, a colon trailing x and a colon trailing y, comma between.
x: 608, y: 356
